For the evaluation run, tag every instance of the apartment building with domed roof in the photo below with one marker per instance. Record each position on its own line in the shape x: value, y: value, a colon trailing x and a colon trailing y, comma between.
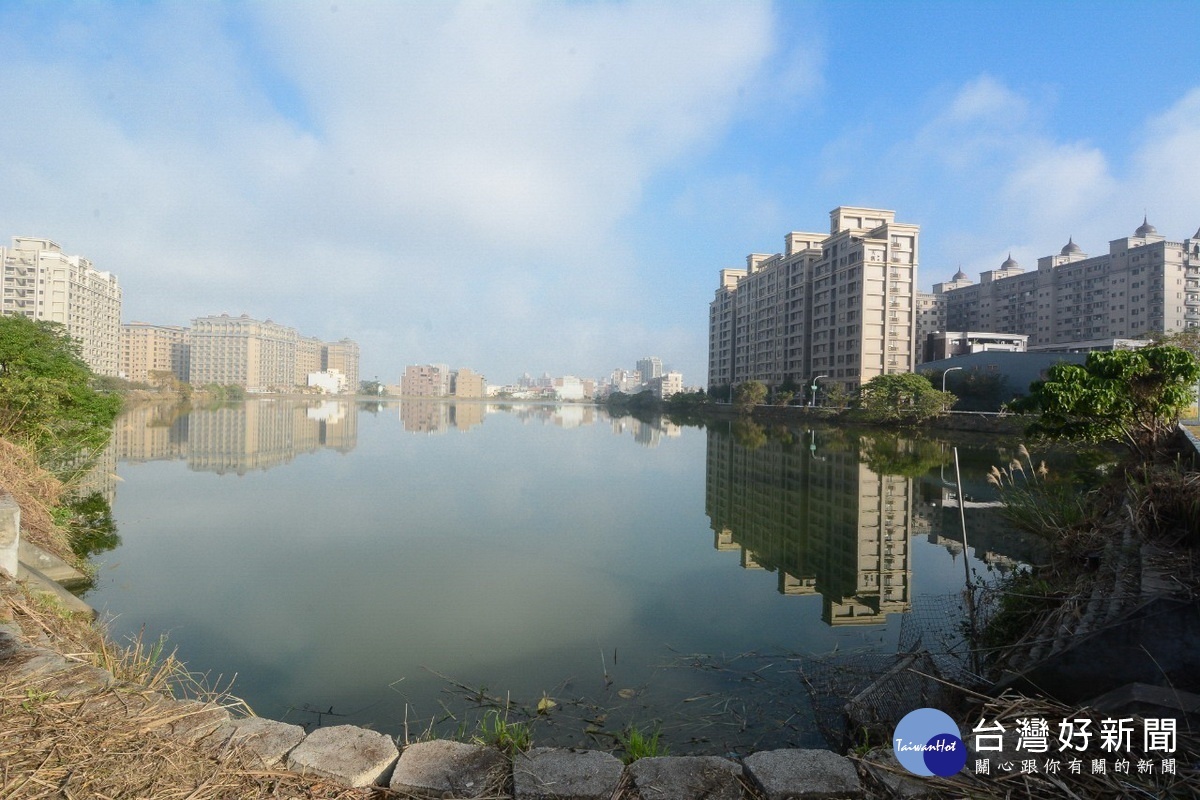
x: 1143, y: 284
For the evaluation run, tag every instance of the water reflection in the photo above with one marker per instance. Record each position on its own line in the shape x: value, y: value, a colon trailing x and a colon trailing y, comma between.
x: 515, y: 556
x: 256, y: 435
x: 818, y: 516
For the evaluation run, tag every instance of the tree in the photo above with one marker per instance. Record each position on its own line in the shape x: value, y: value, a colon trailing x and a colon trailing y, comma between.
x: 905, y: 398
x: 371, y: 388
x: 1134, y: 397
x: 46, y: 397
x: 748, y: 395
x: 836, y: 397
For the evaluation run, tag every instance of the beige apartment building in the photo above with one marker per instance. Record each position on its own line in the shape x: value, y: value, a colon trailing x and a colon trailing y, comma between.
x: 147, y: 349
x: 425, y: 380
x: 310, y: 353
x: 343, y: 357
x: 840, y: 306
x: 468, y: 385
x: 1143, y: 284
x: 42, y: 282
x: 239, y: 351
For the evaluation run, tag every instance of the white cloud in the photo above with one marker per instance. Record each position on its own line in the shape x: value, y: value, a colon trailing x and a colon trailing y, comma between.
x: 441, y: 171
x: 1005, y: 179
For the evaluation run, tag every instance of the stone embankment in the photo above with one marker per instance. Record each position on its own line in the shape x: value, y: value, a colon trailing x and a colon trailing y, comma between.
x: 357, y: 757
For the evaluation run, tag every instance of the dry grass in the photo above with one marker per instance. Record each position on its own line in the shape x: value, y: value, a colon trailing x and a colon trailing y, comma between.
x: 56, y: 741
x: 36, y: 492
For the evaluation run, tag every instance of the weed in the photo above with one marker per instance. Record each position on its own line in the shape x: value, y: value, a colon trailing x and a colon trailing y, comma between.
x: 511, y: 737
x: 1024, y: 599
x: 1041, y: 503
x: 639, y: 745
x: 35, y: 697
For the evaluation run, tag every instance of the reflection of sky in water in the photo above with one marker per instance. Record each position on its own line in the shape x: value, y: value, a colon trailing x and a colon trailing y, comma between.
x: 511, y: 556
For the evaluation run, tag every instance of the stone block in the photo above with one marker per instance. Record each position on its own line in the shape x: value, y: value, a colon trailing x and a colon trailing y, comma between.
x: 10, y: 534
x: 188, y: 720
x: 442, y: 768
x: 687, y: 778
x: 266, y: 740
x: 546, y: 773
x: 882, y: 765
x: 50, y: 565
x: 347, y: 754
x: 36, y: 663
x: 83, y: 680
x: 795, y: 774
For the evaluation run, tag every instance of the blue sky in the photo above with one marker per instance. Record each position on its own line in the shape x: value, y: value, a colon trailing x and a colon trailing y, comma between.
x: 554, y: 187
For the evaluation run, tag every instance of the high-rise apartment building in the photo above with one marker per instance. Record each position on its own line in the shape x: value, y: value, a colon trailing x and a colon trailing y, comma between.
x: 650, y: 367
x: 310, y: 352
x: 148, y: 349
x: 343, y: 357
x: 42, y: 282
x: 240, y: 351
x: 1143, y: 284
x: 840, y: 306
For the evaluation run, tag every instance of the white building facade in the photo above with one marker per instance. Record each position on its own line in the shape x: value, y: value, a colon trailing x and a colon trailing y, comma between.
x: 42, y: 282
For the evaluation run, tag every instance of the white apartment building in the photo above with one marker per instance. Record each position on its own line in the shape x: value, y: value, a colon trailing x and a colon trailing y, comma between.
x: 240, y: 351
x: 147, y: 349
x: 650, y: 368
x: 42, y: 282
x: 840, y: 306
x: 1143, y: 284
x: 666, y: 385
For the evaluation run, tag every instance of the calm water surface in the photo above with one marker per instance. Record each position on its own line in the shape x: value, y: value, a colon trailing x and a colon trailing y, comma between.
x: 368, y: 562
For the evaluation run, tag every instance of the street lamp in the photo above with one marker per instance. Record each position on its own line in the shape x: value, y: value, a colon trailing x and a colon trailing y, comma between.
x: 944, y: 374
x: 812, y: 401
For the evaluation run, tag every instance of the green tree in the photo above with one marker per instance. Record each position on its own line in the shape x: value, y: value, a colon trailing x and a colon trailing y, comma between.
x: 46, y: 397
x: 374, y: 388
x: 836, y: 397
x: 1134, y: 397
x: 748, y: 395
x: 905, y: 398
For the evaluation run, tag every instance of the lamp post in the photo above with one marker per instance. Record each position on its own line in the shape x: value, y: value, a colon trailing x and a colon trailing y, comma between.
x: 944, y: 374
x: 812, y: 401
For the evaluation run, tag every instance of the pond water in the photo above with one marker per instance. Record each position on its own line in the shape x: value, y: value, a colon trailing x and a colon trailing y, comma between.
x: 398, y: 565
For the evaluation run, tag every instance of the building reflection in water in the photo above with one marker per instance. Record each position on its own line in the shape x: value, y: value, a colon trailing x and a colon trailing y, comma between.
x: 257, y: 434
x: 818, y: 517
x: 647, y: 434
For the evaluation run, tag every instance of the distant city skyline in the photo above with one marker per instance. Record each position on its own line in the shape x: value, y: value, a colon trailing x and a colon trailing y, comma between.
x: 563, y: 198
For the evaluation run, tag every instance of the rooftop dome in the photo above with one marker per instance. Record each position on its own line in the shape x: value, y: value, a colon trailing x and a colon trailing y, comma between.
x: 1010, y: 263
x: 960, y: 275
x: 1146, y: 229
x: 1070, y: 247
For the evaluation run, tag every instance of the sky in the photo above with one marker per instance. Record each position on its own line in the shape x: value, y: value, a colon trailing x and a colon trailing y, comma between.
x: 554, y: 187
